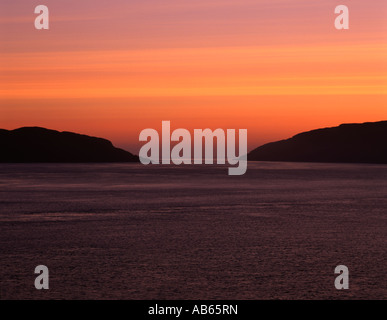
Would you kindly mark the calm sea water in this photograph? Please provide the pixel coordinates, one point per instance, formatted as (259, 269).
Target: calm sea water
(127, 231)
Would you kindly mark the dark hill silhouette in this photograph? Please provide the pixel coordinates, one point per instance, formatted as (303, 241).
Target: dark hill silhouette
(34, 144)
(351, 143)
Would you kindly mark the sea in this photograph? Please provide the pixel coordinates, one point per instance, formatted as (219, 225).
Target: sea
(129, 231)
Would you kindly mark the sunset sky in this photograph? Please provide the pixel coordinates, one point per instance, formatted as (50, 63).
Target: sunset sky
(112, 68)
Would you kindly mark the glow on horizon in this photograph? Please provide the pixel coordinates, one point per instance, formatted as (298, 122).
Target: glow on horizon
(113, 68)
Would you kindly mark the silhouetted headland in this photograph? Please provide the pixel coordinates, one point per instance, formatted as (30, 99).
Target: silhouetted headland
(347, 143)
(35, 144)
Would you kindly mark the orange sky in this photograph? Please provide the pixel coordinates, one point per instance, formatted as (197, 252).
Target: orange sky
(113, 68)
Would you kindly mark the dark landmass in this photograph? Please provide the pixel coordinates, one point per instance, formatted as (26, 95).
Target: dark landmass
(350, 143)
(34, 144)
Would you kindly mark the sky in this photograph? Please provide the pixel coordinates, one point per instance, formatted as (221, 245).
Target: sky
(111, 68)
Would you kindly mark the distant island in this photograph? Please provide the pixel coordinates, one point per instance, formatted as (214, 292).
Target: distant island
(35, 144)
(347, 143)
